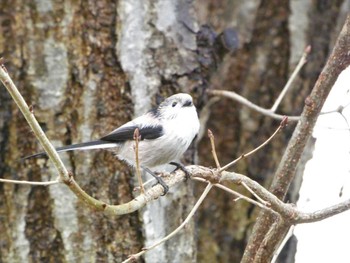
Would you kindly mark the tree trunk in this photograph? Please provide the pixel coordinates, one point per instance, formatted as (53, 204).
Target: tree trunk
(88, 67)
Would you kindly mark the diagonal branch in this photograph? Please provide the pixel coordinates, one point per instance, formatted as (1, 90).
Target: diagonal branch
(268, 112)
(234, 96)
(33, 123)
(184, 223)
(281, 126)
(297, 69)
(337, 62)
(137, 162)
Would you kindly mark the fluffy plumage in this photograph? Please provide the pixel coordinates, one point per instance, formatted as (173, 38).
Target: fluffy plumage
(166, 133)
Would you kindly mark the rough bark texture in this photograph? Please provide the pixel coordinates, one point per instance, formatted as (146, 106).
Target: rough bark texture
(89, 66)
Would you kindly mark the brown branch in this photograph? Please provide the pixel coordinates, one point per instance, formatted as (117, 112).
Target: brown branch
(268, 112)
(337, 62)
(213, 150)
(173, 233)
(137, 162)
(288, 85)
(269, 243)
(238, 195)
(288, 212)
(33, 123)
(322, 214)
(281, 126)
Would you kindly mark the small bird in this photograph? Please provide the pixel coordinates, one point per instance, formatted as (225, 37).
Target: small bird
(165, 134)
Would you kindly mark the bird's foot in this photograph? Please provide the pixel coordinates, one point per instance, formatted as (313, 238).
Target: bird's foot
(182, 168)
(159, 180)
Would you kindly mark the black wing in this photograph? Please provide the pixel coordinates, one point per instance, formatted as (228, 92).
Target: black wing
(118, 136)
(127, 133)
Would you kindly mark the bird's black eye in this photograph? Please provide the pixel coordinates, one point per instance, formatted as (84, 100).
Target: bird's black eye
(174, 104)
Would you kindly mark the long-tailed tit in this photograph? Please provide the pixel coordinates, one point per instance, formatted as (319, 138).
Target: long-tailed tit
(166, 133)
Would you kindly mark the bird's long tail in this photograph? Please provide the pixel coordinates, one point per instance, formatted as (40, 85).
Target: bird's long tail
(98, 144)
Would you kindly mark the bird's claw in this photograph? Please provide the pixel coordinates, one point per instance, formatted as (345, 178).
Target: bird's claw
(182, 168)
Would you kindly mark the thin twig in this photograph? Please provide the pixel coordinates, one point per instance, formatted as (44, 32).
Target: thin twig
(137, 167)
(285, 240)
(301, 63)
(188, 218)
(29, 182)
(137, 188)
(282, 125)
(253, 193)
(235, 193)
(339, 109)
(213, 151)
(234, 96)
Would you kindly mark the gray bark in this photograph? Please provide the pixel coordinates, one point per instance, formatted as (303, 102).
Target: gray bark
(87, 68)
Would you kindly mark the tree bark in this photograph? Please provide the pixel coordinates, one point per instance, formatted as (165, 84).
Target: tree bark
(88, 67)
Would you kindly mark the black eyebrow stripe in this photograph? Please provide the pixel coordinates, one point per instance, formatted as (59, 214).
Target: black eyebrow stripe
(188, 103)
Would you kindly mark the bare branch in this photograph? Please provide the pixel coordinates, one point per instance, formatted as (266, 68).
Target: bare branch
(266, 250)
(29, 182)
(301, 63)
(339, 109)
(238, 195)
(188, 218)
(282, 125)
(234, 96)
(283, 243)
(33, 123)
(337, 62)
(323, 213)
(254, 194)
(288, 212)
(137, 163)
(213, 151)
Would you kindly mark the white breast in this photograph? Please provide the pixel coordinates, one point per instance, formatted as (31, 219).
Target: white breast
(178, 135)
